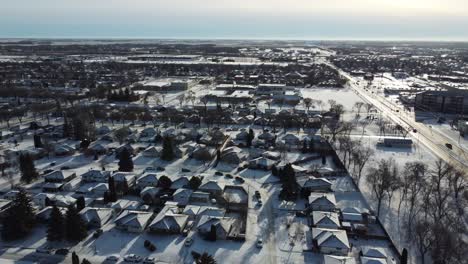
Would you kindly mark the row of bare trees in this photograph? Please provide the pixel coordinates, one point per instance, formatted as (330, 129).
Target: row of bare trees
(433, 200)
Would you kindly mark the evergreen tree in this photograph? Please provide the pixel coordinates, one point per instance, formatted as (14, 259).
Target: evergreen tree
(66, 128)
(112, 195)
(250, 138)
(212, 235)
(27, 168)
(164, 182)
(37, 141)
(168, 150)
(80, 203)
(304, 146)
(19, 218)
(56, 225)
(75, 258)
(404, 256)
(205, 258)
(289, 183)
(194, 182)
(125, 160)
(75, 226)
(274, 170)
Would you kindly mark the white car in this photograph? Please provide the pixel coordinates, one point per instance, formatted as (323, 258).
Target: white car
(149, 260)
(132, 258)
(112, 259)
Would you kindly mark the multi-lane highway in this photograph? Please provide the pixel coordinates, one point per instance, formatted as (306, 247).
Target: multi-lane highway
(432, 139)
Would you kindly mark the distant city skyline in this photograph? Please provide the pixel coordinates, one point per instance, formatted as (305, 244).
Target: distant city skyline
(243, 19)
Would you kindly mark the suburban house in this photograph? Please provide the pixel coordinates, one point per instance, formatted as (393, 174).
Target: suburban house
(330, 241)
(150, 194)
(61, 176)
(182, 196)
(96, 217)
(181, 182)
(214, 188)
(221, 225)
(169, 221)
(133, 221)
(95, 176)
(261, 163)
(235, 198)
(124, 181)
(147, 180)
(312, 184)
(374, 256)
(322, 202)
(325, 220)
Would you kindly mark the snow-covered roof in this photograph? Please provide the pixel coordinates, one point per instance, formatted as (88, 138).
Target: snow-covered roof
(322, 199)
(325, 219)
(331, 238)
(136, 219)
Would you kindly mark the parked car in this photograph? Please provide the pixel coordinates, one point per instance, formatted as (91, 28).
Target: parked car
(257, 194)
(149, 246)
(259, 243)
(44, 250)
(111, 259)
(188, 242)
(448, 145)
(229, 176)
(218, 173)
(62, 251)
(259, 203)
(132, 258)
(239, 179)
(149, 260)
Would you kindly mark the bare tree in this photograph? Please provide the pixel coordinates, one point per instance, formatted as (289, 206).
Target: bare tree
(423, 238)
(439, 191)
(358, 106)
(412, 182)
(339, 127)
(181, 99)
(360, 156)
(307, 103)
(381, 179)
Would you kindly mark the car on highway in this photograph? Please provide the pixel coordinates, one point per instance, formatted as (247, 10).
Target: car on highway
(449, 146)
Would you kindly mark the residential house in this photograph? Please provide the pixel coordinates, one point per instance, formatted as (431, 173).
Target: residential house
(236, 198)
(221, 225)
(325, 220)
(169, 221)
(95, 176)
(331, 241)
(147, 180)
(182, 196)
(133, 221)
(61, 176)
(322, 202)
(312, 184)
(96, 217)
(214, 188)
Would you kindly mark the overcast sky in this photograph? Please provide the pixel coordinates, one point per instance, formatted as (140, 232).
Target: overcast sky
(270, 19)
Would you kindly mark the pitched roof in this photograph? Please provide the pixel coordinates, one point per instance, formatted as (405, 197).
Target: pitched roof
(332, 238)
